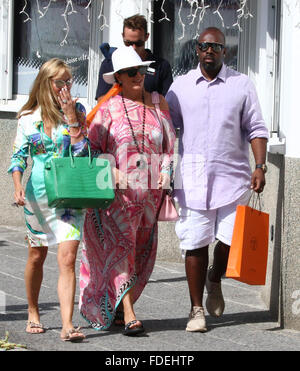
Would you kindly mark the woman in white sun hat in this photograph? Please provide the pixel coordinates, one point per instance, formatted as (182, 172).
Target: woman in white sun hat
(120, 243)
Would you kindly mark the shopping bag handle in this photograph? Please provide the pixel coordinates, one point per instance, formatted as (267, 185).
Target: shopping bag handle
(72, 157)
(254, 202)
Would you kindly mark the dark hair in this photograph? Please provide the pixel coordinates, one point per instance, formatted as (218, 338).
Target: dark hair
(136, 22)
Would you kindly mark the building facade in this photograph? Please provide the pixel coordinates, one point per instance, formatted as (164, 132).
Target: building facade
(263, 41)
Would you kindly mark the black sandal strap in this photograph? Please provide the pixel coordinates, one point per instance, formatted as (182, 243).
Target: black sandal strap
(127, 326)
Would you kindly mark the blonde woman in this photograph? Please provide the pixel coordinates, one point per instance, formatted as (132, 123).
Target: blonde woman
(48, 124)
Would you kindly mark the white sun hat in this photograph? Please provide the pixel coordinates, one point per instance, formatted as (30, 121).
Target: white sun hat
(124, 57)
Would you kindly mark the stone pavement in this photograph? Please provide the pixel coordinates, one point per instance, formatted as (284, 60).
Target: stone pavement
(163, 307)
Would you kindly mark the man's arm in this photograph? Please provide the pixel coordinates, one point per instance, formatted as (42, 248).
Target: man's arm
(174, 104)
(257, 134)
(259, 149)
(166, 78)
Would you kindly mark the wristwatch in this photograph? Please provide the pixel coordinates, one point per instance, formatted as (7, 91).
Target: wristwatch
(74, 125)
(263, 167)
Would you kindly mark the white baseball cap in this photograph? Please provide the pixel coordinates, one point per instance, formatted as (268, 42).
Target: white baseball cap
(124, 57)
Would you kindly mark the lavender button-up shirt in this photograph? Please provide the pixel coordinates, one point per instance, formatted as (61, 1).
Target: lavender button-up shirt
(217, 120)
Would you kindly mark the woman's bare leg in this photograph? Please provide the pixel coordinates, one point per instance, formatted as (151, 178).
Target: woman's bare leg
(129, 314)
(33, 281)
(66, 257)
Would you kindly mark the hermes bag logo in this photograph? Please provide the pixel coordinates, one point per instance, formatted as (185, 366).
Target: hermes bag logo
(253, 244)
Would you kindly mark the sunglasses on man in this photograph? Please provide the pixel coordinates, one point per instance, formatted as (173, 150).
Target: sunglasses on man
(216, 47)
(132, 72)
(138, 43)
(61, 83)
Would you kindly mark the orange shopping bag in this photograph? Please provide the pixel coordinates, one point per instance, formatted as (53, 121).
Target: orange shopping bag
(248, 253)
(111, 93)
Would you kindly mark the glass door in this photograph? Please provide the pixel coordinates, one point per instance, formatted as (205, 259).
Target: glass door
(178, 25)
(60, 32)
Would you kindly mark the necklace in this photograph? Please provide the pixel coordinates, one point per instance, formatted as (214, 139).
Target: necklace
(140, 163)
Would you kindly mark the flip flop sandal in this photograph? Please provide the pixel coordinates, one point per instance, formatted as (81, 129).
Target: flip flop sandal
(128, 331)
(73, 335)
(33, 325)
(119, 318)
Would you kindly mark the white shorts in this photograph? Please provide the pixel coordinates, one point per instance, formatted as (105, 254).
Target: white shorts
(199, 228)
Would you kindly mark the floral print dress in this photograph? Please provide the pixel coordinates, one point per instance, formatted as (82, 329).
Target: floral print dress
(45, 226)
(120, 243)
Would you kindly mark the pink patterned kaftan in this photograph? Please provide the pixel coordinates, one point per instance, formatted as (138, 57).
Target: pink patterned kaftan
(120, 243)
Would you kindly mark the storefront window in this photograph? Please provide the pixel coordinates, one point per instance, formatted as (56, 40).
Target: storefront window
(41, 38)
(175, 40)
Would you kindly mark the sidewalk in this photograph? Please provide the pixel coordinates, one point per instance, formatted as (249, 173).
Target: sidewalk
(163, 308)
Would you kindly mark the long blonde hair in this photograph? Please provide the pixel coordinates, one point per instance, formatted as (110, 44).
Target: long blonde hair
(42, 94)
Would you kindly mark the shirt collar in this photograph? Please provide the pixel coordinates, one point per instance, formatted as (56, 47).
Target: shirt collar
(37, 118)
(221, 75)
(149, 54)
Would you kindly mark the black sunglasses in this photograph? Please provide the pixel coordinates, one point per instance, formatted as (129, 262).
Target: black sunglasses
(138, 43)
(216, 47)
(131, 72)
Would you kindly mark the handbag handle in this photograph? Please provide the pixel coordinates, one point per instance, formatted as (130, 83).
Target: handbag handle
(254, 202)
(155, 101)
(72, 157)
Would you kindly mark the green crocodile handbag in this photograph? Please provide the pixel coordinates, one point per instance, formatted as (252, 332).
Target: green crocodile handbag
(79, 182)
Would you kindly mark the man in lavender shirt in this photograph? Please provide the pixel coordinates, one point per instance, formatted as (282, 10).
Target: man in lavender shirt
(218, 114)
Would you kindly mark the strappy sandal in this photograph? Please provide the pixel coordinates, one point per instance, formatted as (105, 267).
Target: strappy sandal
(132, 331)
(119, 318)
(73, 335)
(35, 325)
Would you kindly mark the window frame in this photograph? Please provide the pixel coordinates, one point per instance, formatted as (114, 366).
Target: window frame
(248, 61)
(260, 58)
(13, 102)
(6, 37)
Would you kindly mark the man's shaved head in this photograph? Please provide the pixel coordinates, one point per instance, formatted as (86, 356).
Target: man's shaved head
(216, 31)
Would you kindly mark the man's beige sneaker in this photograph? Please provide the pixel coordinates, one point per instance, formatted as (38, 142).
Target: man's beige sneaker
(215, 304)
(196, 320)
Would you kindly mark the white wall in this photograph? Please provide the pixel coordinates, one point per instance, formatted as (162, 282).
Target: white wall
(264, 75)
(6, 51)
(262, 71)
(290, 77)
